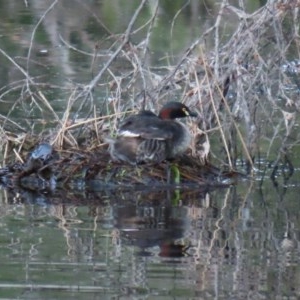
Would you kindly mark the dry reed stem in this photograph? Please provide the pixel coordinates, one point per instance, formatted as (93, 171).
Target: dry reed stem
(207, 76)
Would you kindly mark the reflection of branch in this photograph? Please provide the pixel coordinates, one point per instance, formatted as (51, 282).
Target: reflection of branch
(219, 225)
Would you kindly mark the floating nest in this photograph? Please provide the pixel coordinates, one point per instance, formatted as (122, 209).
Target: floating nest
(48, 168)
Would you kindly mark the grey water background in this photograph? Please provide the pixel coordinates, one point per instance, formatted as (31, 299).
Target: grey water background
(240, 242)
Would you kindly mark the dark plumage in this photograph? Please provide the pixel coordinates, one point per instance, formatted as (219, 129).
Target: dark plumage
(146, 137)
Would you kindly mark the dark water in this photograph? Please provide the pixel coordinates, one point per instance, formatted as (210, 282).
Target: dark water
(239, 242)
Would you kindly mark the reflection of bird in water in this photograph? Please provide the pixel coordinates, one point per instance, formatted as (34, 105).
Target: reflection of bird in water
(170, 249)
(147, 227)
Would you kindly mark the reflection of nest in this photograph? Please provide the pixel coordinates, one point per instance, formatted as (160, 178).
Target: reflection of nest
(141, 218)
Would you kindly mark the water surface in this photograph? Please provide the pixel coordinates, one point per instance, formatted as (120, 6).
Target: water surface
(238, 242)
(232, 243)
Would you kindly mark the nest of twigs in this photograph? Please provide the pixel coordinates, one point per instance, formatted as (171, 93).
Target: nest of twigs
(44, 167)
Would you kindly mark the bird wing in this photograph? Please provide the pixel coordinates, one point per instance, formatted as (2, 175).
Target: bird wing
(147, 127)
